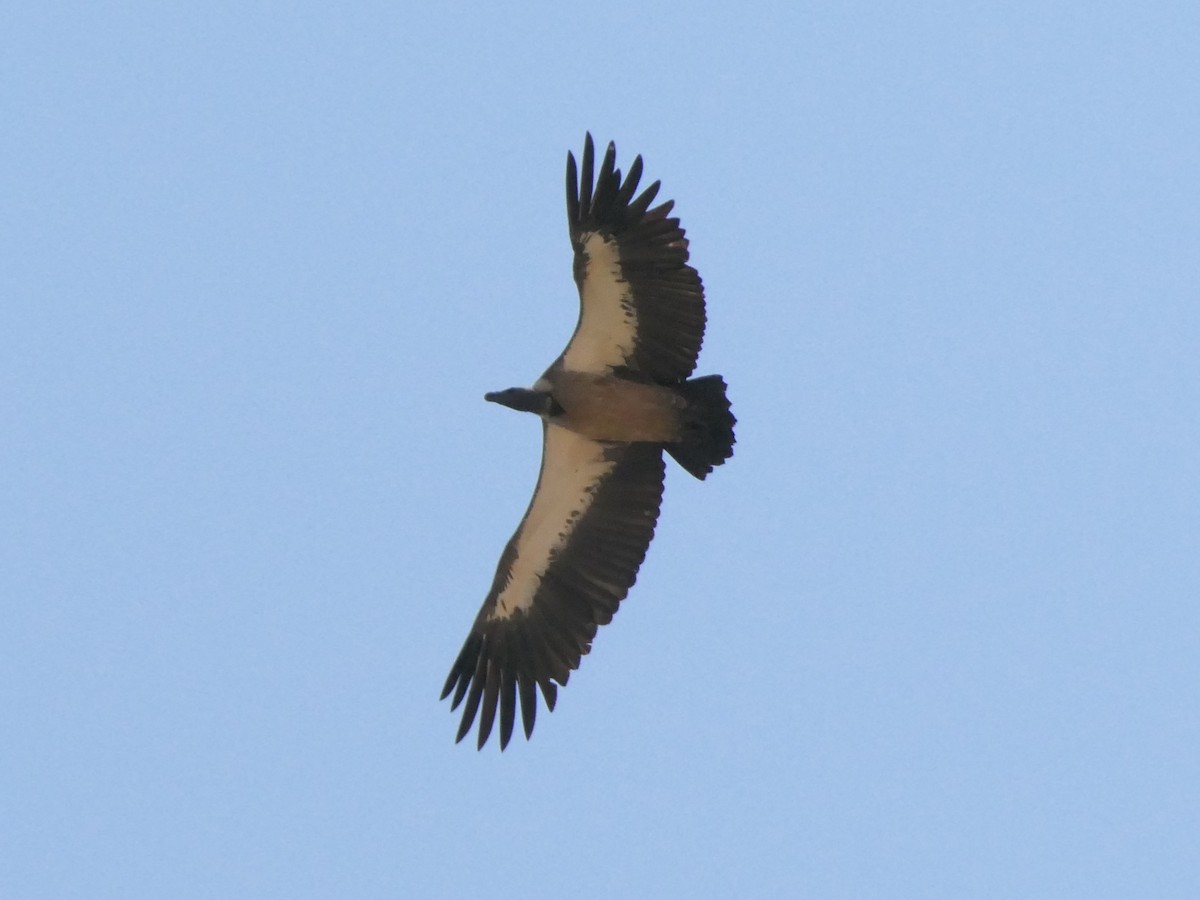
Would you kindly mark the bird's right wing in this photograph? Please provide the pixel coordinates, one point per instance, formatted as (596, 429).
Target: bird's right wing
(571, 561)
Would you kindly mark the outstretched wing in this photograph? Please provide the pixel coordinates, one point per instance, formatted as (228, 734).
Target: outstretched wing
(566, 569)
(641, 306)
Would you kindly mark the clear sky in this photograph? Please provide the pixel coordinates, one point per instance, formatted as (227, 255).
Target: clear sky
(934, 631)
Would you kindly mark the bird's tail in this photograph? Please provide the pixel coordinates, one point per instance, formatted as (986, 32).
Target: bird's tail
(707, 426)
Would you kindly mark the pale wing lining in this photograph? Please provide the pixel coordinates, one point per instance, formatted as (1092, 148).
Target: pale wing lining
(607, 328)
(571, 469)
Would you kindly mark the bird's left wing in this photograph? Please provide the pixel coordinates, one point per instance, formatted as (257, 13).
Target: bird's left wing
(641, 306)
(571, 561)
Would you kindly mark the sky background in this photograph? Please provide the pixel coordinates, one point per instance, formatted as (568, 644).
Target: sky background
(934, 631)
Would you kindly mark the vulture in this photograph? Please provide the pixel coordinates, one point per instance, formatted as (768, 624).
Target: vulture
(617, 397)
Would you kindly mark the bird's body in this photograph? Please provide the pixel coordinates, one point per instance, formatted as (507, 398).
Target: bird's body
(614, 400)
(612, 408)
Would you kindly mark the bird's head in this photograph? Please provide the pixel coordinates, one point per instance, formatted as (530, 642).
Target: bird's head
(525, 400)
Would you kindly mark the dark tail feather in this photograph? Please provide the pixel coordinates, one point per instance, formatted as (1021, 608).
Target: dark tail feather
(707, 426)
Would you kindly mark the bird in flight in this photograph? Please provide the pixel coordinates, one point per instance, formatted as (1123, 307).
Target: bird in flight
(618, 396)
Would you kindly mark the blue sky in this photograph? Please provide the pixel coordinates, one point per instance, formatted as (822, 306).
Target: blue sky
(933, 632)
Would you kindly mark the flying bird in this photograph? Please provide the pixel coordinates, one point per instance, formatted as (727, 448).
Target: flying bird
(615, 399)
